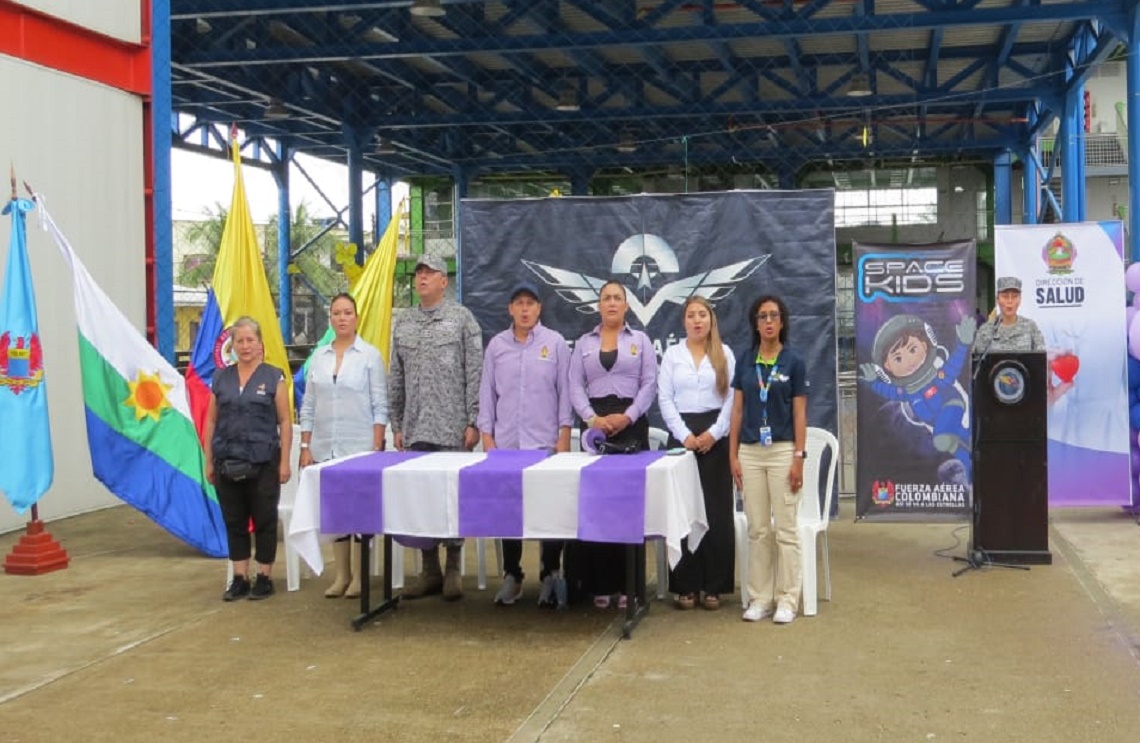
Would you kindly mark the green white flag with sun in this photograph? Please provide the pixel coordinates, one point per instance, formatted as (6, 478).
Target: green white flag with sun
(144, 447)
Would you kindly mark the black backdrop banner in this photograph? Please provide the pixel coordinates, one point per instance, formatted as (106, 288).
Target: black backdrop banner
(729, 247)
(914, 326)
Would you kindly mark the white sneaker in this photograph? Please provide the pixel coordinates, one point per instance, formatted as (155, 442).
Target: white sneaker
(756, 612)
(784, 615)
(510, 591)
(546, 595)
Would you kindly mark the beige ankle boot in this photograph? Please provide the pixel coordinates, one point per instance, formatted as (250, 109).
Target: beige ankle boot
(353, 590)
(452, 580)
(430, 581)
(343, 570)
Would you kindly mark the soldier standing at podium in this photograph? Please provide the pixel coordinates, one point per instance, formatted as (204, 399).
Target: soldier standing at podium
(1008, 331)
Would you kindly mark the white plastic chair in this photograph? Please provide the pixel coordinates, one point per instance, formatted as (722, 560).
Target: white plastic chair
(740, 524)
(811, 523)
(659, 439)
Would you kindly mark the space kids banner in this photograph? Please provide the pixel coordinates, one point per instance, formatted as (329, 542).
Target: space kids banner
(914, 326)
(1072, 286)
(727, 247)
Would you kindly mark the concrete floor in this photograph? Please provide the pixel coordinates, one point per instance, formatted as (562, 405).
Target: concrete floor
(132, 642)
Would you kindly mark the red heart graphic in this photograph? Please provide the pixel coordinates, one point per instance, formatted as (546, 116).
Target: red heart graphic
(1066, 366)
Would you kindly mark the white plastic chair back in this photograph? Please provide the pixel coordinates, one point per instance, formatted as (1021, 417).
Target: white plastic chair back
(811, 510)
(813, 516)
(659, 439)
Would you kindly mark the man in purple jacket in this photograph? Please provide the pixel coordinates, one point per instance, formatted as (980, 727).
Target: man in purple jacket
(524, 403)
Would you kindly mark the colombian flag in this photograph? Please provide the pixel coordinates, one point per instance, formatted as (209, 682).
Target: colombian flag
(239, 289)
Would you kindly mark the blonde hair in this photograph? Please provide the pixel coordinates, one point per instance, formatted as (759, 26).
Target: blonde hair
(714, 349)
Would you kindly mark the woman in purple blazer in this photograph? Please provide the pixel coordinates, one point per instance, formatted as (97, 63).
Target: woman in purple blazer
(613, 382)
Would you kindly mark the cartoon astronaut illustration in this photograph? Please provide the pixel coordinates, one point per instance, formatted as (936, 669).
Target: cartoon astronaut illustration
(911, 368)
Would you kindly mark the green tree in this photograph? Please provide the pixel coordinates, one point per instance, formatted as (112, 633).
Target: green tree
(316, 263)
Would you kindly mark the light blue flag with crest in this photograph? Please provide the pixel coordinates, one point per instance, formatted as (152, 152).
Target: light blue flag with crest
(28, 463)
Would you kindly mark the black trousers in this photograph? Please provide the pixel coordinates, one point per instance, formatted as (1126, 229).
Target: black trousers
(603, 563)
(712, 567)
(256, 498)
(512, 558)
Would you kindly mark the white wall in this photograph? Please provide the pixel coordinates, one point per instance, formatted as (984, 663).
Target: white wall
(80, 144)
(118, 18)
(1107, 86)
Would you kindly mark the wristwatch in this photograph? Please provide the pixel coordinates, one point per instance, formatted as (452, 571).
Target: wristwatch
(304, 445)
(799, 454)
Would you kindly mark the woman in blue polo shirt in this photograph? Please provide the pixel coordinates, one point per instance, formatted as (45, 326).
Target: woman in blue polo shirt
(766, 454)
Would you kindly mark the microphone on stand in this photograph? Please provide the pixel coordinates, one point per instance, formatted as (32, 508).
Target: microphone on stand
(980, 357)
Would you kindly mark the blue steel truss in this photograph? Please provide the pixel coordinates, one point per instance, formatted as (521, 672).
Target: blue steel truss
(642, 83)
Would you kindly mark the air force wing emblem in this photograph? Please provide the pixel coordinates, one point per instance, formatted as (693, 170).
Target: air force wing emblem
(713, 285)
(582, 290)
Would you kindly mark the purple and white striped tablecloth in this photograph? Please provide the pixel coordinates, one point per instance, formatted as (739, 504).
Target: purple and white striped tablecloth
(504, 493)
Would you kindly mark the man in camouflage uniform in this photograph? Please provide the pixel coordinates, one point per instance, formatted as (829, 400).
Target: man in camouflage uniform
(1008, 332)
(433, 396)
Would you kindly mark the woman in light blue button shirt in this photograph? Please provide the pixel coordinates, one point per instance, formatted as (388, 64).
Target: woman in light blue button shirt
(344, 411)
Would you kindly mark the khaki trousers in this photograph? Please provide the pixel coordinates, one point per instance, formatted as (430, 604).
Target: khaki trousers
(774, 552)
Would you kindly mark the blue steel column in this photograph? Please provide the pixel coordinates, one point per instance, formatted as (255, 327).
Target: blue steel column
(1071, 157)
(1082, 160)
(580, 182)
(355, 138)
(1132, 62)
(383, 206)
(284, 241)
(787, 177)
(161, 123)
(1003, 185)
(461, 177)
(1031, 186)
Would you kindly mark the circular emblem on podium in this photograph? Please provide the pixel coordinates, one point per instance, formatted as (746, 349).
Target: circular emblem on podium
(1008, 380)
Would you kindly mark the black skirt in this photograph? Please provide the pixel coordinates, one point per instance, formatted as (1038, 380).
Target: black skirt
(711, 568)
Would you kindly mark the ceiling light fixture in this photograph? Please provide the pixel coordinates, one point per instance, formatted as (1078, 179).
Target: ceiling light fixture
(568, 99)
(860, 85)
(276, 110)
(202, 26)
(626, 144)
(384, 146)
(427, 8)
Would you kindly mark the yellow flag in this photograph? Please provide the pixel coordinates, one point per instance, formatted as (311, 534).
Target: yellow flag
(239, 277)
(372, 290)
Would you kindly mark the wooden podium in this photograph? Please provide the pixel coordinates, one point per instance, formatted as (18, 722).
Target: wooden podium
(1010, 462)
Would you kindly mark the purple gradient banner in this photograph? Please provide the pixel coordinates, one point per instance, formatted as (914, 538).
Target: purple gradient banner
(1072, 278)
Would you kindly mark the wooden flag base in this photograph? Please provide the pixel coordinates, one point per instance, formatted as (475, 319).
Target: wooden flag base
(36, 553)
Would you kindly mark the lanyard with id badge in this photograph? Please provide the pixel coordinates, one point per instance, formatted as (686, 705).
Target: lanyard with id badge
(765, 429)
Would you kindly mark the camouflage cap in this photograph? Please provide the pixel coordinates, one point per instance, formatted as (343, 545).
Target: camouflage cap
(434, 262)
(1008, 283)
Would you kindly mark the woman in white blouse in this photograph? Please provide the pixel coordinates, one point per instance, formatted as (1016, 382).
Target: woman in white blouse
(344, 411)
(696, 402)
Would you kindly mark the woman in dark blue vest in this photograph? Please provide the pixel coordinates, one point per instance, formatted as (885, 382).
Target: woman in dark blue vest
(248, 426)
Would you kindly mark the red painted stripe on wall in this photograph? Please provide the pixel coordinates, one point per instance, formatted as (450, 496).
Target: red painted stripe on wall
(60, 45)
